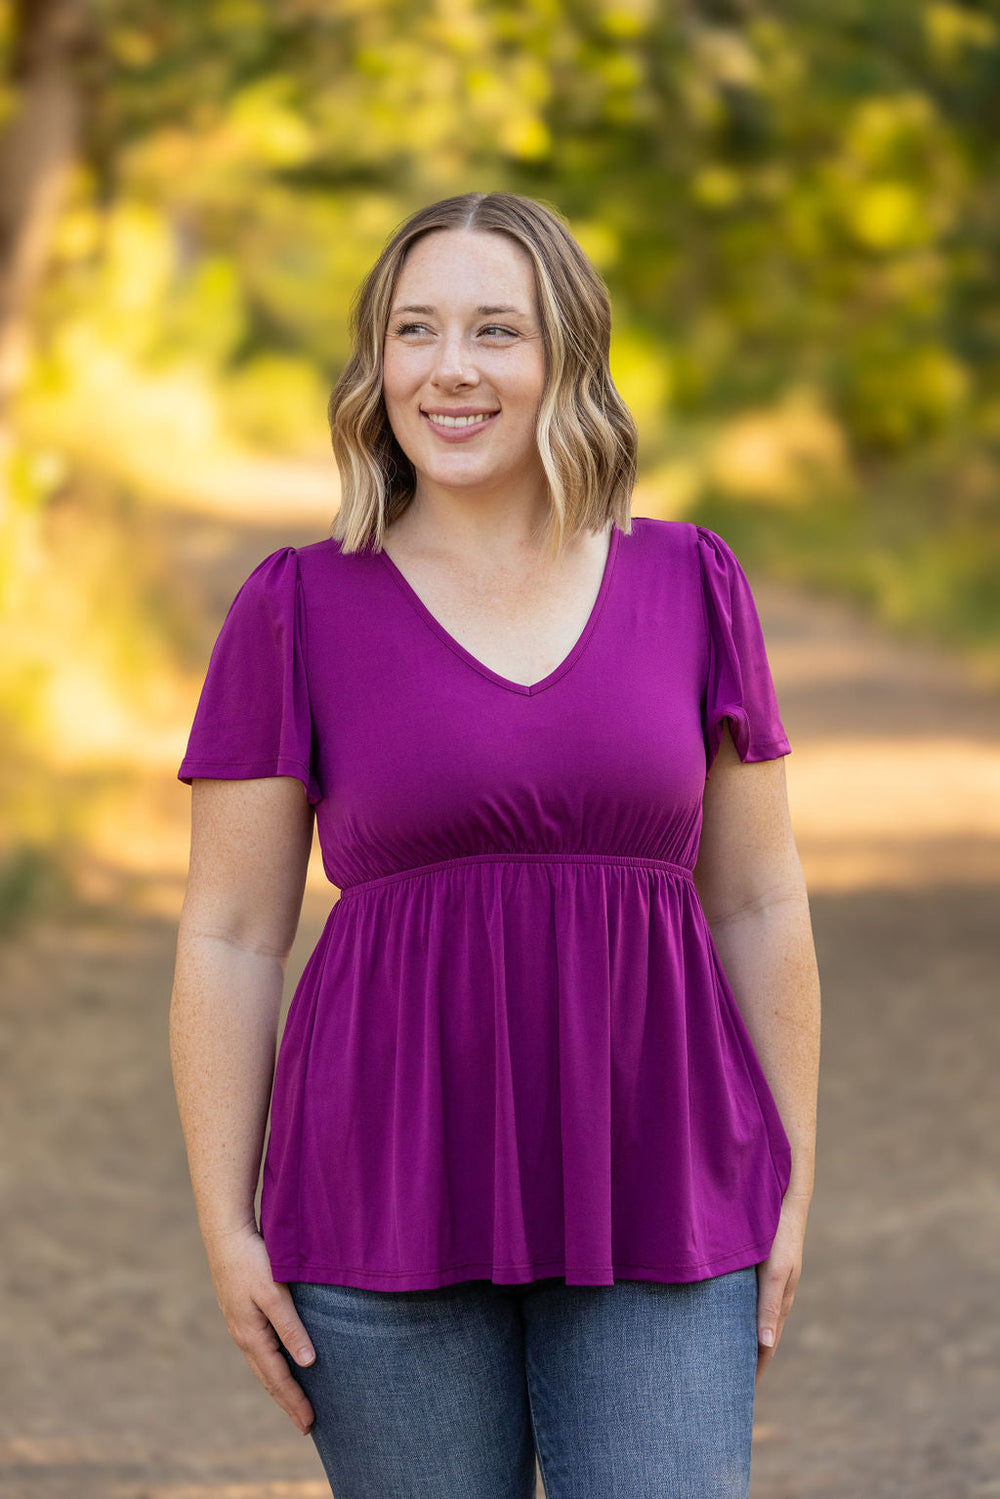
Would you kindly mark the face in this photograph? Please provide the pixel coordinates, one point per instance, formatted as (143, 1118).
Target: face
(464, 341)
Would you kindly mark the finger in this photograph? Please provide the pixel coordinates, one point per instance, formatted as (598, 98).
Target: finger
(764, 1357)
(771, 1308)
(271, 1368)
(767, 1321)
(259, 1345)
(280, 1310)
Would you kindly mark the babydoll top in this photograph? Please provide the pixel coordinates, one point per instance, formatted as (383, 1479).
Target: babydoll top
(513, 1052)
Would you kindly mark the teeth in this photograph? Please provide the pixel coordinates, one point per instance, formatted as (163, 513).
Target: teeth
(460, 421)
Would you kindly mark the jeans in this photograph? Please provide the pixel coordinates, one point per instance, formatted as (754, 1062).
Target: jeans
(640, 1390)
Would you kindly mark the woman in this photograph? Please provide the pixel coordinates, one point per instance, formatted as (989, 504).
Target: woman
(536, 1184)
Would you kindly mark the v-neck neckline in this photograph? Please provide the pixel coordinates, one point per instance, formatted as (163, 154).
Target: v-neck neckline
(525, 689)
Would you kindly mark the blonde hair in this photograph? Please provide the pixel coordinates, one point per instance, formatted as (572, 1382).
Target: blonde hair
(587, 439)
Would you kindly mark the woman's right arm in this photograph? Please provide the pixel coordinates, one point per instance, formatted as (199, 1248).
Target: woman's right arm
(250, 844)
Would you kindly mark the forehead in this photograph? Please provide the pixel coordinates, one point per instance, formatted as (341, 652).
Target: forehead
(459, 265)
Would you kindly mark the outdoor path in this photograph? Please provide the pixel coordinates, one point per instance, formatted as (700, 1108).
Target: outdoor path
(119, 1379)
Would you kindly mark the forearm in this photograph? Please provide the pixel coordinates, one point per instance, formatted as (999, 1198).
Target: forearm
(223, 1027)
(769, 959)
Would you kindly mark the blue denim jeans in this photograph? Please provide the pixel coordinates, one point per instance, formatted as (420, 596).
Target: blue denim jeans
(640, 1390)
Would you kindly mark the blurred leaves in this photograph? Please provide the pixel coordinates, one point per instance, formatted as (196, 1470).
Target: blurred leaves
(820, 183)
(796, 208)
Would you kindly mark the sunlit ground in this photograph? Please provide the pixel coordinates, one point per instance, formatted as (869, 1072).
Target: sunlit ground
(894, 775)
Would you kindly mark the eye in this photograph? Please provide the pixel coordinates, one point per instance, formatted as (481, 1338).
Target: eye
(493, 329)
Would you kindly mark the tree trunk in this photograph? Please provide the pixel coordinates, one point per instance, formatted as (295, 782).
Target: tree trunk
(37, 150)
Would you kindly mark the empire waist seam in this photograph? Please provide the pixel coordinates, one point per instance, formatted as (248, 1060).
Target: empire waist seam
(628, 861)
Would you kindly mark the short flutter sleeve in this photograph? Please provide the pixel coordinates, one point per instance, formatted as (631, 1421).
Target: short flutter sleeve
(253, 717)
(739, 686)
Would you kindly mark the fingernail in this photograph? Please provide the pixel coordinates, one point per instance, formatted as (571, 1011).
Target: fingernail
(305, 1355)
(767, 1337)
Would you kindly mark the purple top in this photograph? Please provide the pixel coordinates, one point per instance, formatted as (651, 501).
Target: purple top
(513, 1052)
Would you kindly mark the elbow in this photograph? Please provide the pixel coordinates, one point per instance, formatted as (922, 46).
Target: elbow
(246, 927)
(753, 892)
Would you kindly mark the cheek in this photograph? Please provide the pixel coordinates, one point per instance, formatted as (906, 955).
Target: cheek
(390, 377)
(530, 381)
(398, 374)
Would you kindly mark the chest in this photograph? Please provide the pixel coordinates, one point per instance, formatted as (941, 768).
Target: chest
(520, 626)
(424, 750)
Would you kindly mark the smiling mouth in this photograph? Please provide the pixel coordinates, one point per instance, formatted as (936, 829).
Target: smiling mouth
(458, 424)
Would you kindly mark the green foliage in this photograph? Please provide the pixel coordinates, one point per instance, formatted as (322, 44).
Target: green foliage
(33, 878)
(778, 194)
(921, 547)
(276, 401)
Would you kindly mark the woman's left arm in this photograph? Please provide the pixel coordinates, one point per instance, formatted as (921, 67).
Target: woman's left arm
(752, 889)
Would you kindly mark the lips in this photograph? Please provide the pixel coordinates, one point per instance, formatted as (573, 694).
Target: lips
(466, 429)
(459, 411)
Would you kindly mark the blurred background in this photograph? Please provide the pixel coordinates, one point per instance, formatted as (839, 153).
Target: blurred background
(796, 207)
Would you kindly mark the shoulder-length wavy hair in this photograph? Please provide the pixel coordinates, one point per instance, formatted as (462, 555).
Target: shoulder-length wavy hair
(586, 436)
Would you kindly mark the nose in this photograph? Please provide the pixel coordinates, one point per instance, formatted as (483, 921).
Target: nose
(454, 363)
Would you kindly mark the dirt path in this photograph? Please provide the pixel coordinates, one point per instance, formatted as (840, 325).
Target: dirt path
(120, 1381)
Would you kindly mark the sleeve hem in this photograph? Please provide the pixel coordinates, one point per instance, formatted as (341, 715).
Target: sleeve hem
(748, 748)
(744, 739)
(772, 749)
(249, 770)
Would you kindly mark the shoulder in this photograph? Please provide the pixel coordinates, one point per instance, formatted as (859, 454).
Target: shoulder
(711, 546)
(681, 539)
(321, 562)
(269, 588)
(655, 531)
(652, 531)
(721, 569)
(289, 567)
(658, 539)
(282, 562)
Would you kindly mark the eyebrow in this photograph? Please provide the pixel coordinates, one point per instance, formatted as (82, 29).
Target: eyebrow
(484, 311)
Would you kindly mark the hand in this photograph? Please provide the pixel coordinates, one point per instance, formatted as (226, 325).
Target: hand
(258, 1311)
(778, 1276)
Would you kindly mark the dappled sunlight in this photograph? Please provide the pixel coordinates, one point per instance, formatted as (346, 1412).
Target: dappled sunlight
(163, 435)
(783, 452)
(921, 787)
(898, 813)
(894, 776)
